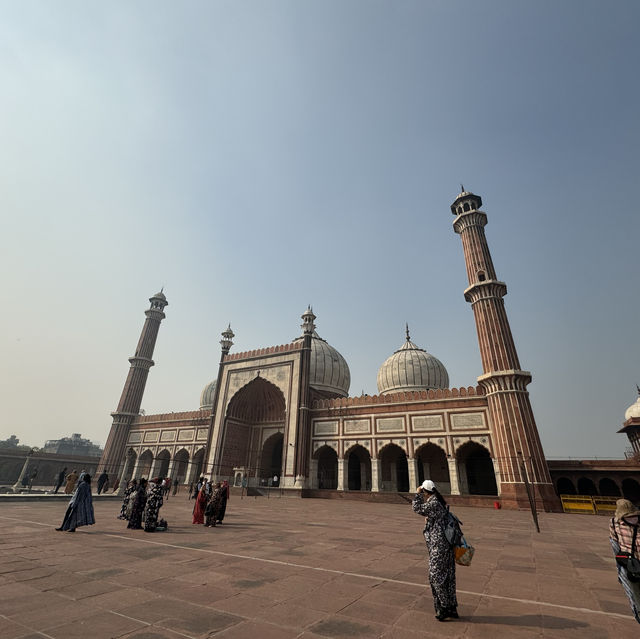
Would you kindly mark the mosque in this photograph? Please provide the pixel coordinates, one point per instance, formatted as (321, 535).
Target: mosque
(282, 415)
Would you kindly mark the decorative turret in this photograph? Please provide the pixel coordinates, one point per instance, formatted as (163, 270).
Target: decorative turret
(515, 436)
(307, 326)
(225, 342)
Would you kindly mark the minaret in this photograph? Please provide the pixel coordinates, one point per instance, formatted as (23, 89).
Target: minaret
(128, 409)
(303, 435)
(517, 446)
(225, 346)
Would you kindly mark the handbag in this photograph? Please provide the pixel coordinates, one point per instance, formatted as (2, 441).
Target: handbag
(464, 553)
(627, 559)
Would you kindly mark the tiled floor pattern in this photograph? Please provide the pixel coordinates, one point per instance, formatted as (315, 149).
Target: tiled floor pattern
(286, 567)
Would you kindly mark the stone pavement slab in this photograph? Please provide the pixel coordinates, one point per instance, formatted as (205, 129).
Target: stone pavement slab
(288, 567)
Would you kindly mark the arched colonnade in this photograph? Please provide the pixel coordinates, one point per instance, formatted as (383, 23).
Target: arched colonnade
(471, 471)
(182, 465)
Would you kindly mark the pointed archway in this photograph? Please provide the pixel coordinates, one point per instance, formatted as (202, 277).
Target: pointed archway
(180, 465)
(144, 464)
(253, 432)
(271, 458)
(394, 469)
(327, 474)
(475, 468)
(433, 465)
(358, 462)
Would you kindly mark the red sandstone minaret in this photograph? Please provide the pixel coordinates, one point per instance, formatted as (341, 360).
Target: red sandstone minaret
(517, 446)
(128, 409)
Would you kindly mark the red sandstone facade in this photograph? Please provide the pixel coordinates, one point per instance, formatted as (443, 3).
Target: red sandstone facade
(281, 415)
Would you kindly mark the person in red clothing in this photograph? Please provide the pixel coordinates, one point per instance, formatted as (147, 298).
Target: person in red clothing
(200, 505)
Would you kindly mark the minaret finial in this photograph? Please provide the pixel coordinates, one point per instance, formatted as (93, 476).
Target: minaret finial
(461, 187)
(407, 327)
(638, 387)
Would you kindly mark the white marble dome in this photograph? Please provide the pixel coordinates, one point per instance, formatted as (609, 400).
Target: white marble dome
(207, 395)
(633, 411)
(411, 368)
(328, 371)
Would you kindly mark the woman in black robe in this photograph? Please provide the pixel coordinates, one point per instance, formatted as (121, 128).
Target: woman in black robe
(80, 510)
(131, 488)
(154, 501)
(139, 502)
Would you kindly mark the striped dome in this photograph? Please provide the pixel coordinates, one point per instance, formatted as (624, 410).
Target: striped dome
(329, 371)
(411, 368)
(207, 395)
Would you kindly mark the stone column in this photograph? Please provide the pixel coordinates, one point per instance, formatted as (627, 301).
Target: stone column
(375, 475)
(412, 464)
(341, 470)
(453, 476)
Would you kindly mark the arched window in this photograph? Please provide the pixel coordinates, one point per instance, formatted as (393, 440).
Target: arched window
(608, 488)
(565, 486)
(586, 487)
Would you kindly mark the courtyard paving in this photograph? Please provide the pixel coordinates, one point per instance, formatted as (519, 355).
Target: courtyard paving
(283, 567)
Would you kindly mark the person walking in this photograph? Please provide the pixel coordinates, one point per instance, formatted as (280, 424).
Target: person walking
(624, 536)
(61, 475)
(72, 478)
(154, 502)
(225, 493)
(102, 480)
(429, 503)
(175, 487)
(139, 502)
(131, 488)
(80, 510)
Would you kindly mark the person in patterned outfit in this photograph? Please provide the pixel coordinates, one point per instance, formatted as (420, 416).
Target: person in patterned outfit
(442, 566)
(154, 502)
(129, 490)
(213, 507)
(139, 500)
(626, 518)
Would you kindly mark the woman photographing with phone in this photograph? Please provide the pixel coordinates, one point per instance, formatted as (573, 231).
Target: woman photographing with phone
(442, 566)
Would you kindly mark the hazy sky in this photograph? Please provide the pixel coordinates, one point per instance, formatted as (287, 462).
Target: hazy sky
(255, 157)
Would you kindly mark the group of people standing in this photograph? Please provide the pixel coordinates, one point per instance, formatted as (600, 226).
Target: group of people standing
(141, 504)
(211, 502)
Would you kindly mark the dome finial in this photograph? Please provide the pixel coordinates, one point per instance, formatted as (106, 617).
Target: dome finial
(461, 187)
(407, 327)
(638, 388)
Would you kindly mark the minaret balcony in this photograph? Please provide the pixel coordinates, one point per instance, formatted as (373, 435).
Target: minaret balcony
(505, 381)
(469, 219)
(488, 289)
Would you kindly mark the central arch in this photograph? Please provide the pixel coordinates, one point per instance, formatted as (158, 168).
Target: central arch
(253, 432)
